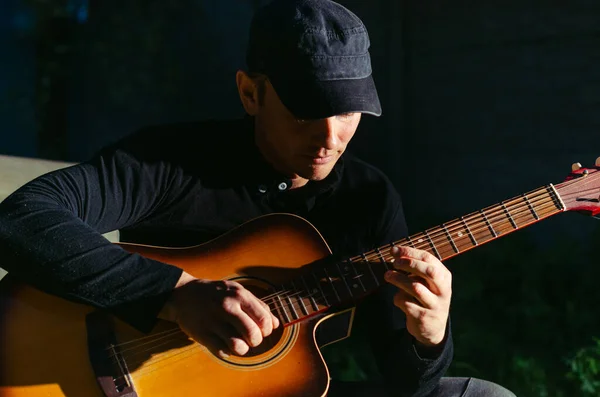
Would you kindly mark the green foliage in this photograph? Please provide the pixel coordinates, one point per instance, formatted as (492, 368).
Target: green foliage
(584, 369)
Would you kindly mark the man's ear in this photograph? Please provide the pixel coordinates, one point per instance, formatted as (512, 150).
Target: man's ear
(248, 91)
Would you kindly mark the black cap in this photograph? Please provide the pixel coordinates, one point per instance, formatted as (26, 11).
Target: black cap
(316, 55)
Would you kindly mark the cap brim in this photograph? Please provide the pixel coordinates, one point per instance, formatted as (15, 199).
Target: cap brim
(309, 99)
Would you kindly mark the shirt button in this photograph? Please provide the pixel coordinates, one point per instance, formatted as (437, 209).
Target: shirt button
(282, 186)
(262, 189)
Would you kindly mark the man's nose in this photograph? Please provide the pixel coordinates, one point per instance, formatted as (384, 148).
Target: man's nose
(327, 133)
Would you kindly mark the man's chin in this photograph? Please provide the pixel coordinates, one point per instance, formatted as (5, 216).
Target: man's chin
(316, 175)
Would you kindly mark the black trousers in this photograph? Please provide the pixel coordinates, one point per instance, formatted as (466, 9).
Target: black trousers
(448, 387)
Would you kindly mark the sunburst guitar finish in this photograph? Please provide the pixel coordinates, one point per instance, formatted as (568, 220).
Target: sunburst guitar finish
(45, 347)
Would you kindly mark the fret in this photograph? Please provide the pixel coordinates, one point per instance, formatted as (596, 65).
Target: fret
(341, 273)
(410, 242)
(330, 280)
(321, 289)
(555, 197)
(356, 276)
(364, 258)
(450, 239)
(535, 215)
(287, 317)
(368, 264)
(386, 264)
(510, 218)
(435, 251)
(298, 293)
(489, 224)
(291, 307)
(469, 231)
(520, 213)
(311, 292)
(273, 307)
(379, 254)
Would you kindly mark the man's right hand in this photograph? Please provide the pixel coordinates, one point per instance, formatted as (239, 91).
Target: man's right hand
(222, 315)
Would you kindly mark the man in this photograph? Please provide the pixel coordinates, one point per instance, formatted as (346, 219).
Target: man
(308, 84)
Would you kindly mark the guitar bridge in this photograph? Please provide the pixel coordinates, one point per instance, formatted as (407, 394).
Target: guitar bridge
(109, 366)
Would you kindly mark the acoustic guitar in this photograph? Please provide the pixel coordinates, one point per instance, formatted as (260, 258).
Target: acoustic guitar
(52, 347)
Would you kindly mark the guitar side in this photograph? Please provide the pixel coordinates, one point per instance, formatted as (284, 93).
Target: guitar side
(44, 347)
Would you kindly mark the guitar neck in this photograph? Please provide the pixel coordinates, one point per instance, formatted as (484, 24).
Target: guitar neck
(341, 283)
(467, 232)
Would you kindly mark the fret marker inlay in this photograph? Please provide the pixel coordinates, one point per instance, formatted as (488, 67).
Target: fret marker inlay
(287, 317)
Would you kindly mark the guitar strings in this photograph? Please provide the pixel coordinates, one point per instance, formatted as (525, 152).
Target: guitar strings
(498, 213)
(543, 191)
(183, 353)
(145, 342)
(548, 205)
(425, 244)
(179, 355)
(484, 224)
(155, 363)
(169, 359)
(516, 216)
(523, 208)
(457, 224)
(163, 338)
(140, 339)
(491, 217)
(286, 293)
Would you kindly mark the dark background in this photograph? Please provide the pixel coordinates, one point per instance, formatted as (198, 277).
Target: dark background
(483, 101)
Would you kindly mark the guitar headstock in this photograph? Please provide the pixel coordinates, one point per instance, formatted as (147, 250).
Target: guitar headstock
(581, 189)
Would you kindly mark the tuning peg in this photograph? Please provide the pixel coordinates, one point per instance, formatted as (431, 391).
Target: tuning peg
(598, 162)
(576, 166)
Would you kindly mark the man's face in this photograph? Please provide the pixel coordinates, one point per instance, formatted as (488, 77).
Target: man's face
(305, 149)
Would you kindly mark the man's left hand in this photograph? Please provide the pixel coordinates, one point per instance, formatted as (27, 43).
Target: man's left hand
(425, 289)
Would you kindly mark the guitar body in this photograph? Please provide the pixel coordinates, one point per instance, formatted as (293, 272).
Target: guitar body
(44, 349)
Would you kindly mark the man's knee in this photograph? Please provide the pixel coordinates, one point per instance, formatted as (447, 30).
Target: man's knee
(470, 387)
(483, 388)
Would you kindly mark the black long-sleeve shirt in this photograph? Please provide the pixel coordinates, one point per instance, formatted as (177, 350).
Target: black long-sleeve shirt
(184, 184)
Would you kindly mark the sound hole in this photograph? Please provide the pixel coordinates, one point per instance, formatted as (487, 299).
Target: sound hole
(260, 289)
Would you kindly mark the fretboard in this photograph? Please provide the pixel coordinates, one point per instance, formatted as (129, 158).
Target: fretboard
(342, 283)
